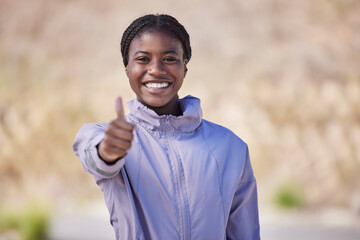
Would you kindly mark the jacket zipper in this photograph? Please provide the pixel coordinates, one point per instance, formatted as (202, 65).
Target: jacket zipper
(180, 184)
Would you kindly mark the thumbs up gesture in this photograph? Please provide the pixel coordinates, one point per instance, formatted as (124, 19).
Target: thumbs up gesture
(118, 136)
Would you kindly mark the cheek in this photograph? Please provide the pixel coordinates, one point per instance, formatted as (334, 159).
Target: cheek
(134, 84)
(180, 83)
(180, 74)
(132, 81)
(133, 74)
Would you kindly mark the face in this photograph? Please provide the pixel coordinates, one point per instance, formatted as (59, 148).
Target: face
(156, 68)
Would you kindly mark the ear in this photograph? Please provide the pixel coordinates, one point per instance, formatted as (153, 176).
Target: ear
(127, 71)
(185, 67)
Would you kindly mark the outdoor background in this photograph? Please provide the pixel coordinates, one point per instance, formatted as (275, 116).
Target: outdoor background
(282, 75)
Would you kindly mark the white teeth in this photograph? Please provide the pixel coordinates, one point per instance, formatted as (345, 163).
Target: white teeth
(157, 85)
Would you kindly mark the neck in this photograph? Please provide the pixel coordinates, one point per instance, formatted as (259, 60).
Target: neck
(171, 108)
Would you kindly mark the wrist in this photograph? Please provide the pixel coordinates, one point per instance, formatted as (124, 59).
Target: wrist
(104, 157)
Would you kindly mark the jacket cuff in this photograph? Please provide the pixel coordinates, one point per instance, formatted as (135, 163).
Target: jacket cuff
(96, 163)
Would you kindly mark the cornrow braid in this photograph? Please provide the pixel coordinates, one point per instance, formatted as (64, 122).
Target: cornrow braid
(160, 22)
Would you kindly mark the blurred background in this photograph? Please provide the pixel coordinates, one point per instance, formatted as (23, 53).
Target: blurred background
(282, 75)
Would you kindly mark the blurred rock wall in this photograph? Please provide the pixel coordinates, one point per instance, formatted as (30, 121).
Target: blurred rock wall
(283, 75)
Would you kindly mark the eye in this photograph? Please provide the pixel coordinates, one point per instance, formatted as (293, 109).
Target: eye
(142, 60)
(170, 59)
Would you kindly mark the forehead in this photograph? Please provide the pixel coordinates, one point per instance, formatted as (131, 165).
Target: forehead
(155, 41)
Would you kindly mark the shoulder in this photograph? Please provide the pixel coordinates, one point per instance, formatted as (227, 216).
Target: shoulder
(98, 126)
(213, 132)
(89, 129)
(230, 152)
(93, 126)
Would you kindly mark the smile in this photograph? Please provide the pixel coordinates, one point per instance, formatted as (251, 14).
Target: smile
(157, 85)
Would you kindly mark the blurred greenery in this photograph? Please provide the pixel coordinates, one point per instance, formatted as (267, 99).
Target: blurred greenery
(31, 223)
(289, 196)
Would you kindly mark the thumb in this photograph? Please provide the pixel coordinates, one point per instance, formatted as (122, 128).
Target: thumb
(119, 108)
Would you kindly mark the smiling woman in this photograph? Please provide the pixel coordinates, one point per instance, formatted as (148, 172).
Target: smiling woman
(165, 172)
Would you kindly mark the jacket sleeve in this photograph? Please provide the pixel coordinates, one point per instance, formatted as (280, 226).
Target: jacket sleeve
(84, 146)
(243, 222)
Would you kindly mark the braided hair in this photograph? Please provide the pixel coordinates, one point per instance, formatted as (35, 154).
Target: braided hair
(160, 22)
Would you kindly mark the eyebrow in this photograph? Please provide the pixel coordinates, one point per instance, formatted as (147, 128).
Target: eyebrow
(142, 52)
(166, 52)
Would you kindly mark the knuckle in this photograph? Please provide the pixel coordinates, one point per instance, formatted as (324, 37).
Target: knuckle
(109, 131)
(129, 126)
(106, 150)
(112, 123)
(127, 135)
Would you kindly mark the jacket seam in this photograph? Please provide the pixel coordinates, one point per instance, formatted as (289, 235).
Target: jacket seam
(218, 172)
(136, 130)
(247, 181)
(138, 175)
(245, 169)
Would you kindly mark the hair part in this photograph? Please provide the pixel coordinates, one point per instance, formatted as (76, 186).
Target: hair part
(159, 22)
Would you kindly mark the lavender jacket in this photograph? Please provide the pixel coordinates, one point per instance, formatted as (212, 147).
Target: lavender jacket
(183, 178)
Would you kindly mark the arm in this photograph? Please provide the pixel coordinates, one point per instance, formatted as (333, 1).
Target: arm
(243, 222)
(101, 148)
(85, 148)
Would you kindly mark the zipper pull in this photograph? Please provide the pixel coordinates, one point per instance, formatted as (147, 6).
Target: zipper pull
(167, 122)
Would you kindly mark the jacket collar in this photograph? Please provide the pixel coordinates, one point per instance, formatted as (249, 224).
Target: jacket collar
(188, 122)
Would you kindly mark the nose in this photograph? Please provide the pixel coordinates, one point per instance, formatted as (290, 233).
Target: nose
(156, 68)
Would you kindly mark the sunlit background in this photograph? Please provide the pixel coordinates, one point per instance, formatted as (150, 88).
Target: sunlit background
(282, 75)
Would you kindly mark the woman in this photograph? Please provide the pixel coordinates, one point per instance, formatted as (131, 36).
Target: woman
(165, 172)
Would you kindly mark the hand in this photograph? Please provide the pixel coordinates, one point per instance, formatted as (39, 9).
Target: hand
(118, 136)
